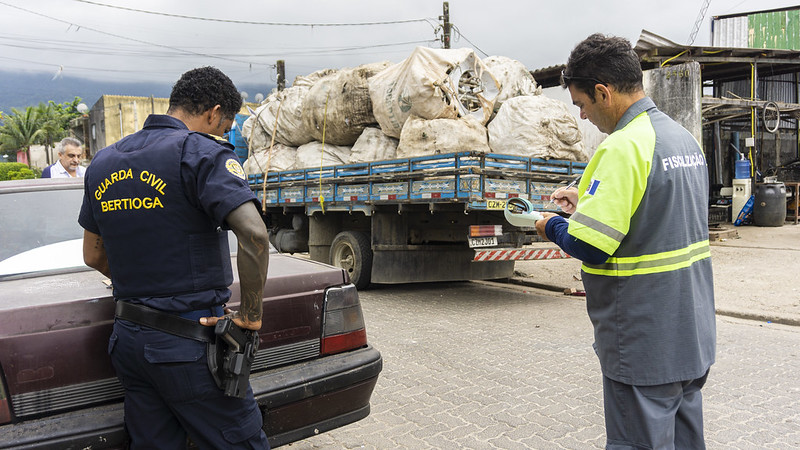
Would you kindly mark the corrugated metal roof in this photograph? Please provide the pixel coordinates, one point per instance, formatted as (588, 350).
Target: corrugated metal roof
(730, 32)
(717, 63)
(649, 41)
(726, 16)
(773, 29)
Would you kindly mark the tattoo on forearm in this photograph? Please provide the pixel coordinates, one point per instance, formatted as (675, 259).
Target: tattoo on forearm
(251, 307)
(254, 260)
(259, 247)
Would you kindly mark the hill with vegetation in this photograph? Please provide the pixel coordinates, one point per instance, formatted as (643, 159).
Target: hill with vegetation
(22, 89)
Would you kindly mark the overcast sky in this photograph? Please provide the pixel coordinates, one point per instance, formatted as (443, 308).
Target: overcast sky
(101, 39)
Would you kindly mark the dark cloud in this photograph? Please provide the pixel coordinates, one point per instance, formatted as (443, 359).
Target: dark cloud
(86, 39)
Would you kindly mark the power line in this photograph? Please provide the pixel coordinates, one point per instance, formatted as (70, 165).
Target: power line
(461, 35)
(248, 22)
(326, 51)
(83, 47)
(92, 69)
(80, 48)
(127, 38)
(131, 50)
(75, 47)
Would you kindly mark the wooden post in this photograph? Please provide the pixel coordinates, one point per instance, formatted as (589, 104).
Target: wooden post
(446, 24)
(281, 75)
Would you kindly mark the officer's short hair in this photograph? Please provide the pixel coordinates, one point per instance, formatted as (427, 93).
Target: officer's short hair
(68, 141)
(199, 90)
(601, 59)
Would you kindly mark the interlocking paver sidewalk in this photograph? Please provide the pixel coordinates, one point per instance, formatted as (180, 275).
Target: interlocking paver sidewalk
(756, 275)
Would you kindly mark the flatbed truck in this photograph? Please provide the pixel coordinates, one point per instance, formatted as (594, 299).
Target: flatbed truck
(427, 218)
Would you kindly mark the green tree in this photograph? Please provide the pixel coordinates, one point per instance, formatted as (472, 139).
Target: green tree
(44, 124)
(51, 125)
(20, 130)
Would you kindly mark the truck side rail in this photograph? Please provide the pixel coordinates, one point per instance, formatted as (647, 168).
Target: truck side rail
(480, 180)
(426, 166)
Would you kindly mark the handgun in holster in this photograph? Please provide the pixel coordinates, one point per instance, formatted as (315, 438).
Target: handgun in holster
(231, 356)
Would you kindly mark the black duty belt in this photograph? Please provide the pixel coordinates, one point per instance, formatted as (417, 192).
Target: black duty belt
(163, 321)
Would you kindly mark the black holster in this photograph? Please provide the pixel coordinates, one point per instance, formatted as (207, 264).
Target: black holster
(230, 357)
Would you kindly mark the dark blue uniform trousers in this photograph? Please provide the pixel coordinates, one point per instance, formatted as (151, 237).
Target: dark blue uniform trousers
(666, 416)
(169, 393)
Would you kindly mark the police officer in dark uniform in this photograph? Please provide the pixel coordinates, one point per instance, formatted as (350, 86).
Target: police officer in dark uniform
(156, 207)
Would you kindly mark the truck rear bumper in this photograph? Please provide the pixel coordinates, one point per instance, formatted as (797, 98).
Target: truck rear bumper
(297, 401)
(518, 254)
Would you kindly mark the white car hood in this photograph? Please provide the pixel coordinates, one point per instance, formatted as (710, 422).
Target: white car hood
(61, 255)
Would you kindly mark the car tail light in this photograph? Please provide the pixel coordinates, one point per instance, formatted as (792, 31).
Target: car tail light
(5, 409)
(485, 230)
(343, 323)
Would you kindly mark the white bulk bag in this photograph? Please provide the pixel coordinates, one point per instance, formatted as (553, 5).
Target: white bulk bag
(307, 81)
(514, 79)
(312, 155)
(255, 137)
(373, 145)
(287, 106)
(339, 104)
(432, 84)
(536, 126)
(281, 157)
(290, 130)
(423, 137)
(257, 129)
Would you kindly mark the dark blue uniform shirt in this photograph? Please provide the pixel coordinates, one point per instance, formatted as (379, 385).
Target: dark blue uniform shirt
(158, 198)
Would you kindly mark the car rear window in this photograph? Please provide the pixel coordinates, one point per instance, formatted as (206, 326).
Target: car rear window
(34, 219)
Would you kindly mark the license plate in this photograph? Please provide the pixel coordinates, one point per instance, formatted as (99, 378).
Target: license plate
(495, 204)
(483, 241)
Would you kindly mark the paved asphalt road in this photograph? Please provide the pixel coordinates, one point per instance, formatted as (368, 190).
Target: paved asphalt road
(485, 366)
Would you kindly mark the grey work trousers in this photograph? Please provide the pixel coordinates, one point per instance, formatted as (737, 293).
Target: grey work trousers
(666, 416)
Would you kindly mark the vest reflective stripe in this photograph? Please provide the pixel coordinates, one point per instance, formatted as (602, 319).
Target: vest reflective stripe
(597, 226)
(614, 184)
(654, 263)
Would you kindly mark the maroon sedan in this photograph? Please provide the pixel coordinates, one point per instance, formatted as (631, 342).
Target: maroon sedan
(314, 371)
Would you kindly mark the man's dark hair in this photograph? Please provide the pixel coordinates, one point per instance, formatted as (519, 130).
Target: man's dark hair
(601, 59)
(199, 90)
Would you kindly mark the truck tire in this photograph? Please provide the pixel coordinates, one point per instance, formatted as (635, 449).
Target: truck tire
(351, 250)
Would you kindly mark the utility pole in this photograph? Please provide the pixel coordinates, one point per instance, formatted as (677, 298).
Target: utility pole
(445, 17)
(281, 75)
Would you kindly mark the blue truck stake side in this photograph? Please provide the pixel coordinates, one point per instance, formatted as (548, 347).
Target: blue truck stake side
(427, 218)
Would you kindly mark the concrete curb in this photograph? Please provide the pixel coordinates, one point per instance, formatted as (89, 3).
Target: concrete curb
(526, 282)
(739, 314)
(759, 317)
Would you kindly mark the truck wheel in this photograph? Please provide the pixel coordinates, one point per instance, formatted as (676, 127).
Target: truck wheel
(351, 251)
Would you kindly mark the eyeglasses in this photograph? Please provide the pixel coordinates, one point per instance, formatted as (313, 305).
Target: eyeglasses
(567, 78)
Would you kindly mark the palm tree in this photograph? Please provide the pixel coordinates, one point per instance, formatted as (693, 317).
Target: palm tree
(21, 130)
(44, 124)
(52, 127)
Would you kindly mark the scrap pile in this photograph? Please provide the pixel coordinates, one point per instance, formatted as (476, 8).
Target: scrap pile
(435, 101)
